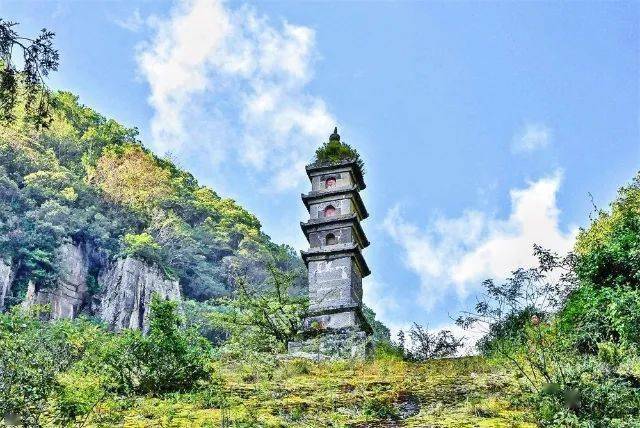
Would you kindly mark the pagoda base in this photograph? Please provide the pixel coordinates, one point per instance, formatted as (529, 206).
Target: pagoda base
(341, 344)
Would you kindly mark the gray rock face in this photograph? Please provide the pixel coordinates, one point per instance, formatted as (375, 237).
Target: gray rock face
(128, 285)
(68, 297)
(6, 278)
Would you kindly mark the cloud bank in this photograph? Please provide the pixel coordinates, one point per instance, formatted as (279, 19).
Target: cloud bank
(230, 84)
(455, 254)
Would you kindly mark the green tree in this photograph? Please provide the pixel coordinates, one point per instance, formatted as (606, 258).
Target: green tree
(38, 58)
(262, 320)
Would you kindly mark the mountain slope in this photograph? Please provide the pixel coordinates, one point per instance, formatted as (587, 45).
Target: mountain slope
(86, 181)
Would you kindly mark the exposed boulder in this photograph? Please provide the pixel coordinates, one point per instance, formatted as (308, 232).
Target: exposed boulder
(69, 295)
(128, 285)
(6, 278)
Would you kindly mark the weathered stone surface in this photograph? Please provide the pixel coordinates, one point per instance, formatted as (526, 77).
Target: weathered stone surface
(333, 345)
(339, 318)
(330, 284)
(128, 285)
(68, 297)
(6, 278)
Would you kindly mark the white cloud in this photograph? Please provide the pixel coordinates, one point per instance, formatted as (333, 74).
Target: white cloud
(533, 136)
(231, 84)
(457, 253)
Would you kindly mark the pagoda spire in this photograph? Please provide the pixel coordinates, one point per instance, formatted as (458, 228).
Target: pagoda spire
(335, 136)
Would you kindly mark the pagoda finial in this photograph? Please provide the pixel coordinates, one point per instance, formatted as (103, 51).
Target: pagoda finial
(335, 136)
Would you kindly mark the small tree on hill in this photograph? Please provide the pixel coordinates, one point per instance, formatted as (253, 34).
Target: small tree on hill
(426, 345)
(262, 320)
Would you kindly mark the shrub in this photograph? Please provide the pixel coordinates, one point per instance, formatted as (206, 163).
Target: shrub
(169, 359)
(379, 408)
(261, 321)
(603, 315)
(388, 351)
(78, 395)
(299, 367)
(33, 356)
(142, 246)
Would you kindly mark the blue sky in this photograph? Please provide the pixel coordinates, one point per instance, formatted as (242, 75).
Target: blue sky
(483, 125)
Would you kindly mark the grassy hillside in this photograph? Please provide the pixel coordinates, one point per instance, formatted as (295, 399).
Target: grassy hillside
(465, 392)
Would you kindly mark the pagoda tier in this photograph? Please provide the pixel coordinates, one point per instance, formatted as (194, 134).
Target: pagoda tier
(345, 228)
(348, 199)
(316, 171)
(332, 252)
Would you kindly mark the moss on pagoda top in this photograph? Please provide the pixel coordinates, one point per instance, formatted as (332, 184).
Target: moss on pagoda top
(334, 151)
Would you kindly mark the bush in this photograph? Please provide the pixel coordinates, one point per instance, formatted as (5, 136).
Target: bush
(78, 395)
(615, 262)
(379, 408)
(388, 351)
(591, 394)
(261, 321)
(33, 356)
(603, 315)
(169, 359)
(142, 246)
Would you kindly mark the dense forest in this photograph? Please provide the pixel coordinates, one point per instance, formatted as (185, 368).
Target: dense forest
(88, 180)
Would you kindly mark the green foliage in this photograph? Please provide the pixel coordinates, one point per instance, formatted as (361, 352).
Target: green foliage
(335, 151)
(426, 345)
(261, 321)
(388, 351)
(167, 359)
(379, 408)
(615, 262)
(599, 231)
(142, 246)
(22, 78)
(34, 355)
(78, 395)
(602, 315)
(381, 332)
(87, 179)
(60, 371)
(578, 356)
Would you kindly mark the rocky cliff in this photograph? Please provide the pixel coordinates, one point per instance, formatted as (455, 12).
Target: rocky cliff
(125, 287)
(128, 285)
(6, 278)
(69, 296)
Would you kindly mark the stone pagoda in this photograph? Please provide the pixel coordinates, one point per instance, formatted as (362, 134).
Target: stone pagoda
(335, 326)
